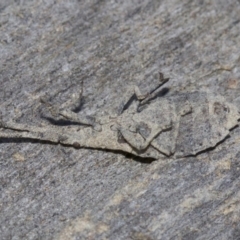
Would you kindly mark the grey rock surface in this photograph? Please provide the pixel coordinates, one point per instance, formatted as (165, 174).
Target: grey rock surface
(49, 48)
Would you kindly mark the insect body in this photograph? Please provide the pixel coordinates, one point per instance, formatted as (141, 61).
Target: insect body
(181, 125)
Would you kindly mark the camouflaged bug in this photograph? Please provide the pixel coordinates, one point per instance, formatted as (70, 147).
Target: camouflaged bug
(155, 127)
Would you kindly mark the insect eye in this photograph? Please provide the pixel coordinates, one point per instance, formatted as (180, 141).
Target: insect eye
(220, 108)
(226, 109)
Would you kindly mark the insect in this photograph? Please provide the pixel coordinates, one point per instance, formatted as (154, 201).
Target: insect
(149, 126)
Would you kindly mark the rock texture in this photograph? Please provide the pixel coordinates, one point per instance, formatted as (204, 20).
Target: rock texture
(52, 47)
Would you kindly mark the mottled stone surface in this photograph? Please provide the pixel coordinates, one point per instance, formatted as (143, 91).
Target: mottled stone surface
(54, 192)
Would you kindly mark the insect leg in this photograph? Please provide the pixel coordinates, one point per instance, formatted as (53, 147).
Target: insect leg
(157, 90)
(24, 131)
(72, 116)
(132, 94)
(135, 94)
(75, 102)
